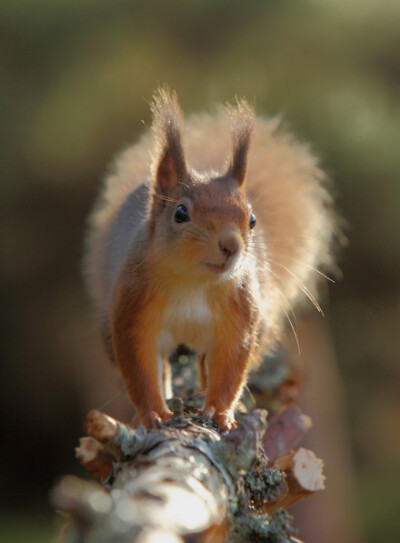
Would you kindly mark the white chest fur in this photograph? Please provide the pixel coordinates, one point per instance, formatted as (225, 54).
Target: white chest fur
(188, 319)
(189, 306)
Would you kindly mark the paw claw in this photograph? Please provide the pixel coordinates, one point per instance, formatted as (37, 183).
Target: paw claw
(154, 419)
(166, 415)
(209, 412)
(224, 419)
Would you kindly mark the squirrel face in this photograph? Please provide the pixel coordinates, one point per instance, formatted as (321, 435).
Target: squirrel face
(202, 228)
(200, 223)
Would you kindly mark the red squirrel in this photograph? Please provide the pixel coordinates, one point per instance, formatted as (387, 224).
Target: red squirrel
(206, 233)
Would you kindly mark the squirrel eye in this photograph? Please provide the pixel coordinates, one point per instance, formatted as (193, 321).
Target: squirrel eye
(181, 214)
(252, 221)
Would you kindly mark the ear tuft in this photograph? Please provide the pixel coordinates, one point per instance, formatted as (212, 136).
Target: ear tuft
(241, 120)
(168, 163)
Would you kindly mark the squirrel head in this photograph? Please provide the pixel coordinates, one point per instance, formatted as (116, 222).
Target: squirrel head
(200, 223)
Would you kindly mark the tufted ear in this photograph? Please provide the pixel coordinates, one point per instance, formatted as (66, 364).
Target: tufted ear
(241, 117)
(169, 165)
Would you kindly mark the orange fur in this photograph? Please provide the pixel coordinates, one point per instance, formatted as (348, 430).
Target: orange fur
(156, 282)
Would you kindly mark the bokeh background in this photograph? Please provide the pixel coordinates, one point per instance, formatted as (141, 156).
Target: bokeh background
(76, 79)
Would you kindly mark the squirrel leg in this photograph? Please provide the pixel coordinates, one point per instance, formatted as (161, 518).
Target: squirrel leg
(167, 378)
(226, 377)
(141, 376)
(135, 348)
(202, 368)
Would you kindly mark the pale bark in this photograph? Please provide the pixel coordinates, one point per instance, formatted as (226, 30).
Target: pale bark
(184, 481)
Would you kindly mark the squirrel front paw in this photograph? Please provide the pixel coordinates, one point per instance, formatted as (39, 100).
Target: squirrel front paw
(224, 419)
(154, 420)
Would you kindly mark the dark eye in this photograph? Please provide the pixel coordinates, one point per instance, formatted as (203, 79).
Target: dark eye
(181, 214)
(252, 221)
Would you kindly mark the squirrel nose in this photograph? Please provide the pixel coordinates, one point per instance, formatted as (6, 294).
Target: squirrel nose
(229, 246)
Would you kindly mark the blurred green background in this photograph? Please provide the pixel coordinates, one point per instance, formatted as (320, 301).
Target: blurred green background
(76, 78)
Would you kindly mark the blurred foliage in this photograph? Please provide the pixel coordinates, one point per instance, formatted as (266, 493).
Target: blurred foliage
(378, 500)
(33, 529)
(76, 79)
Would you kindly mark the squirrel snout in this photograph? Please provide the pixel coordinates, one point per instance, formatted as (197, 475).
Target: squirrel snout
(229, 245)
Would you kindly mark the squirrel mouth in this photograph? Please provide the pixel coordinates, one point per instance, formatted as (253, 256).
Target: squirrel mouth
(216, 268)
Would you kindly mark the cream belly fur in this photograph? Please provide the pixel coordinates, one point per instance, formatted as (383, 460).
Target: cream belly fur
(188, 319)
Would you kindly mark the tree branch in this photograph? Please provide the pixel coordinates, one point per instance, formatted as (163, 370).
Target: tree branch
(185, 481)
